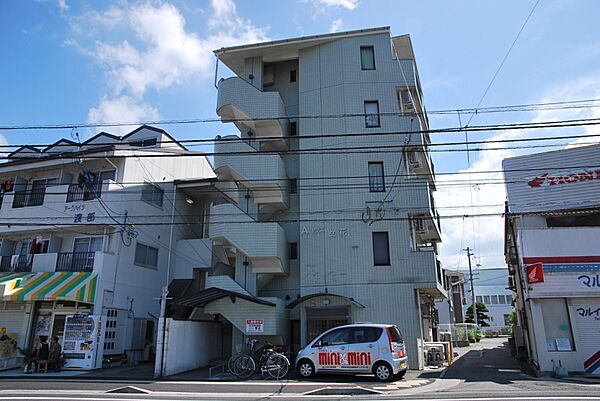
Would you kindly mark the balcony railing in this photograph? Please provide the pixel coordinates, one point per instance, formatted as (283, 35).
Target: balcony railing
(78, 193)
(20, 263)
(29, 198)
(75, 262)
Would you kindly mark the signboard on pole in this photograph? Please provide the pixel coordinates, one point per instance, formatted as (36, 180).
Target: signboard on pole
(255, 325)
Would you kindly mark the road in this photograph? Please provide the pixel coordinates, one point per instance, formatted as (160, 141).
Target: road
(485, 372)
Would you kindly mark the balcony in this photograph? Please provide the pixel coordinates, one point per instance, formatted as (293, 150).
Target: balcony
(424, 218)
(29, 198)
(251, 109)
(263, 174)
(59, 262)
(264, 244)
(77, 193)
(75, 261)
(16, 263)
(420, 164)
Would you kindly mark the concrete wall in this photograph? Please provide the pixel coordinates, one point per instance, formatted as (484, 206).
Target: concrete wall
(189, 345)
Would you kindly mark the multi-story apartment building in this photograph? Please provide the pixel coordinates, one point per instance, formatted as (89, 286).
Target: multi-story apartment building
(332, 218)
(551, 248)
(451, 310)
(90, 233)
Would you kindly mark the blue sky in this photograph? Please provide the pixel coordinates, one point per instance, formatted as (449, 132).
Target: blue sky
(87, 61)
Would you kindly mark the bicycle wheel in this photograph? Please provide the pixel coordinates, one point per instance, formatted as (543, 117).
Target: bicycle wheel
(244, 366)
(277, 365)
(231, 363)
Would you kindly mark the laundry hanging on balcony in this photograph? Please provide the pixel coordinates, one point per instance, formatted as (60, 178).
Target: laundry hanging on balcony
(69, 286)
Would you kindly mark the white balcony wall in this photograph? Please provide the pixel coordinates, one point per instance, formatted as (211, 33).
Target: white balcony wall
(264, 243)
(44, 262)
(274, 317)
(263, 174)
(263, 112)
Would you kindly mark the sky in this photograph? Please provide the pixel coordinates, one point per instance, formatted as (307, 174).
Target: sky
(76, 62)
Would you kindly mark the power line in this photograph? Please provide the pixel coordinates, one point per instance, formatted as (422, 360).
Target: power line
(573, 104)
(503, 61)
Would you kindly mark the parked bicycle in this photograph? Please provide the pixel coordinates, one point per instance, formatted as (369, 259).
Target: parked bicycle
(258, 355)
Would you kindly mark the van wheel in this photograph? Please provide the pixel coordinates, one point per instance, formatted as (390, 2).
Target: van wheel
(306, 369)
(383, 372)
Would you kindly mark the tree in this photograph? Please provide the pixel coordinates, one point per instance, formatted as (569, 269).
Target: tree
(482, 318)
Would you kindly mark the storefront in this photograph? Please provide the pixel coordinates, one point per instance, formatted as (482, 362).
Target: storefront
(46, 305)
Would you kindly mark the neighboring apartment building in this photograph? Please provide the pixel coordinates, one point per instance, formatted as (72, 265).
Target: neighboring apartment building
(332, 218)
(551, 247)
(87, 241)
(491, 288)
(450, 310)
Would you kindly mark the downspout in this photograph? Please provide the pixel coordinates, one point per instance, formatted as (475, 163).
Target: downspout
(216, 71)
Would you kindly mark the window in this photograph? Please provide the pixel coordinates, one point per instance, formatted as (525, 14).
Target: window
(144, 143)
(507, 321)
(405, 102)
(502, 300)
(486, 299)
(479, 298)
(292, 75)
(293, 250)
(376, 177)
(146, 255)
(367, 58)
(152, 194)
(293, 185)
(381, 249)
(293, 128)
(88, 244)
(494, 299)
(336, 337)
(372, 114)
(365, 334)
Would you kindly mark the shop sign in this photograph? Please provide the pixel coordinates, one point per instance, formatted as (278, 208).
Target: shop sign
(255, 325)
(546, 180)
(535, 273)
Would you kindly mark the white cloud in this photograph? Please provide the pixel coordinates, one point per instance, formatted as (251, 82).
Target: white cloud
(121, 109)
(62, 5)
(153, 49)
(336, 25)
(347, 4)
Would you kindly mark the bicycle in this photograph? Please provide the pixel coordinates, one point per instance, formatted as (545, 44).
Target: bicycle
(244, 364)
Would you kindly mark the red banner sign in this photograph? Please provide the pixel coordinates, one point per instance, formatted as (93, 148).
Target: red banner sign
(535, 273)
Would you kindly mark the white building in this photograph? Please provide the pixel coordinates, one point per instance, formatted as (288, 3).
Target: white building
(332, 217)
(491, 288)
(86, 230)
(551, 247)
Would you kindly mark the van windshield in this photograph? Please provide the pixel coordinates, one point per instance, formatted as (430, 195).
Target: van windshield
(395, 333)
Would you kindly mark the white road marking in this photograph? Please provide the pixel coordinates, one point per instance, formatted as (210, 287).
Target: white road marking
(510, 370)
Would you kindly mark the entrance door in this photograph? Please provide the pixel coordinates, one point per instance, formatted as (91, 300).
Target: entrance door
(319, 320)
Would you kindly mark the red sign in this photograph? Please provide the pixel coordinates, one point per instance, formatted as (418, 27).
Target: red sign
(545, 180)
(535, 273)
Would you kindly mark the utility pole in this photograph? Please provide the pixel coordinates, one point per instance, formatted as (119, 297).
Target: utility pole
(469, 254)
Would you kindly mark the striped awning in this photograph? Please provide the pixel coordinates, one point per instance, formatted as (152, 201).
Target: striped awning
(68, 286)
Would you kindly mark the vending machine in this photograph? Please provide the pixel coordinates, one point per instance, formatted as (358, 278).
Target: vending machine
(83, 341)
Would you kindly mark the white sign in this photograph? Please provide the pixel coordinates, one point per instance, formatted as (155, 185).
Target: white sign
(255, 325)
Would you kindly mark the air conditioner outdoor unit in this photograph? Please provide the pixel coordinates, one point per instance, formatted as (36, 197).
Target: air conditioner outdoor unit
(414, 159)
(420, 226)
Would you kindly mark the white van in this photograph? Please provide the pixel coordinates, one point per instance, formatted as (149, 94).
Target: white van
(356, 348)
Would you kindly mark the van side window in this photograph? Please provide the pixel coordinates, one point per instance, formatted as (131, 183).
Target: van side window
(366, 334)
(336, 337)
